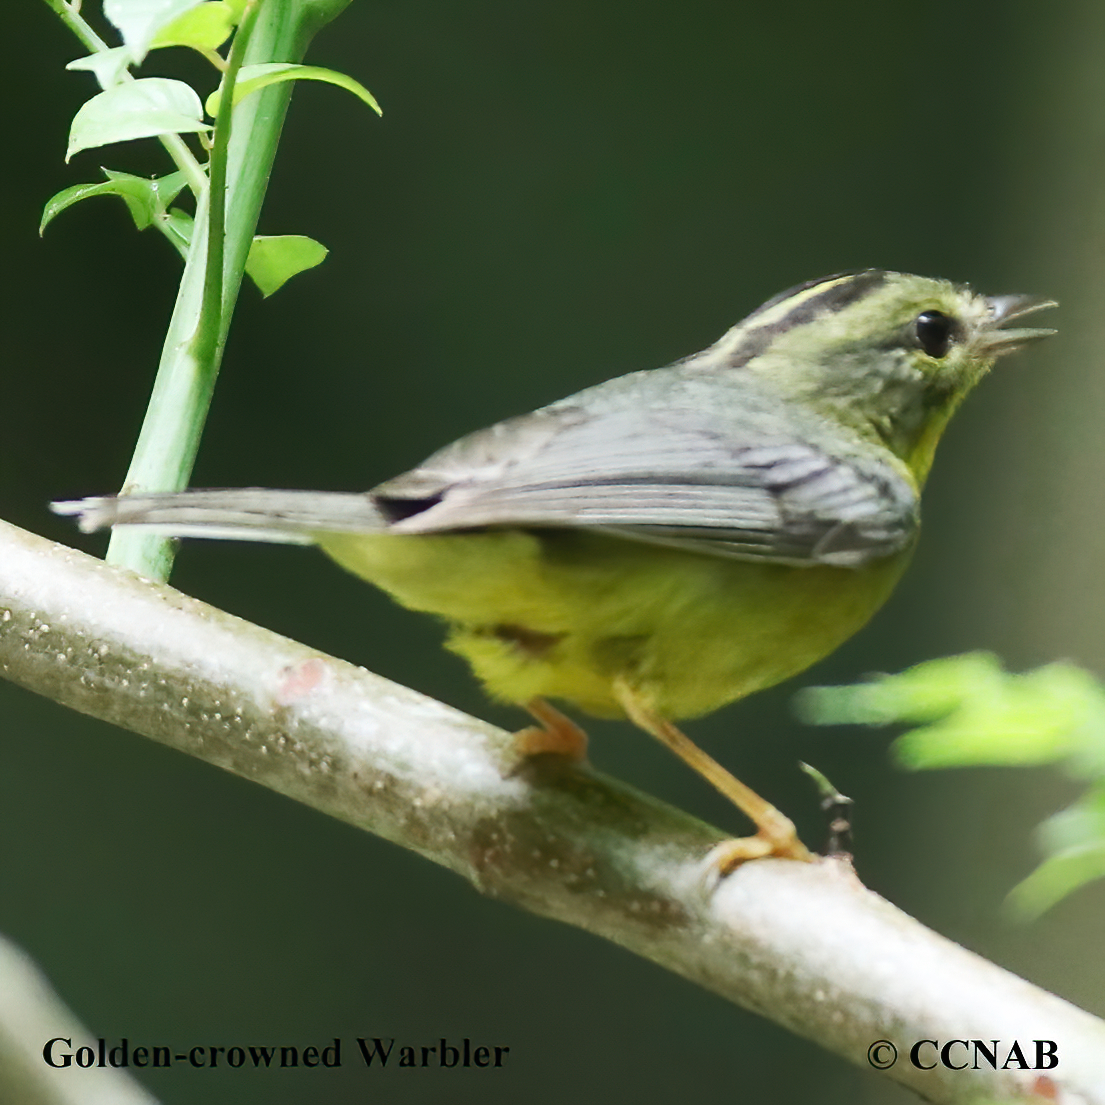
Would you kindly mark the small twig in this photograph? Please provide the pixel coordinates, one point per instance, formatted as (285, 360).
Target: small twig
(838, 808)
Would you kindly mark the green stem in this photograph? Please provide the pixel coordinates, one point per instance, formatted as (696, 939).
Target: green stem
(76, 23)
(182, 157)
(210, 336)
(191, 356)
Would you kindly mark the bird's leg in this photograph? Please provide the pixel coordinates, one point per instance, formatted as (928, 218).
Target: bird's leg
(556, 733)
(775, 835)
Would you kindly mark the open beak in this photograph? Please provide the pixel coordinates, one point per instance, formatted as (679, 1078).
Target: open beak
(996, 340)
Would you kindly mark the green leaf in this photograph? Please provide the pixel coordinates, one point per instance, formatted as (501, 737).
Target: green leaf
(56, 204)
(273, 261)
(205, 27)
(107, 65)
(252, 78)
(139, 21)
(145, 199)
(158, 192)
(137, 109)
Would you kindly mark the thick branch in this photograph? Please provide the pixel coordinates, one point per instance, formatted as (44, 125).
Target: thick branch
(803, 944)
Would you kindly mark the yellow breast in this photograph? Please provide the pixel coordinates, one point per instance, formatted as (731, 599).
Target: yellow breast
(563, 613)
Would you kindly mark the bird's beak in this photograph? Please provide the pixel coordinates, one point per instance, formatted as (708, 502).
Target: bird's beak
(996, 340)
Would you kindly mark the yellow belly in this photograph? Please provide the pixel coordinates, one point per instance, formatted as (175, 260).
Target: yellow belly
(563, 613)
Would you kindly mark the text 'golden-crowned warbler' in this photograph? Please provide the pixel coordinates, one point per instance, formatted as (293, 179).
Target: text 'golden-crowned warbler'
(671, 540)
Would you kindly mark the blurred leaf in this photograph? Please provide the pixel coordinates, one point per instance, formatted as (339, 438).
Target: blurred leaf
(1074, 843)
(274, 260)
(139, 21)
(205, 27)
(923, 693)
(976, 713)
(252, 78)
(1054, 879)
(138, 109)
(1044, 716)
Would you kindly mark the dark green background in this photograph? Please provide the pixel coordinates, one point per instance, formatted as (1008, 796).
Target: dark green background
(557, 193)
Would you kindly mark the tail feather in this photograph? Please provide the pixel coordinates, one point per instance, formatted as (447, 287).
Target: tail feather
(248, 514)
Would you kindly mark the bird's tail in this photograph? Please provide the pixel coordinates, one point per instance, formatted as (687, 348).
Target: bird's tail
(245, 514)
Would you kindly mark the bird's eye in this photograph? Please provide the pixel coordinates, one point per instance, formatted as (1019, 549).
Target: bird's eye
(935, 332)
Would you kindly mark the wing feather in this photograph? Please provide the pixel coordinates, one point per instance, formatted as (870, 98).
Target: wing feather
(755, 488)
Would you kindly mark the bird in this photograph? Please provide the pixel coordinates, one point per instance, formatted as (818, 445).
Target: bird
(664, 543)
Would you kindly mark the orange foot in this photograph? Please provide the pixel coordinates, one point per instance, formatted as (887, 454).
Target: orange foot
(556, 733)
(726, 857)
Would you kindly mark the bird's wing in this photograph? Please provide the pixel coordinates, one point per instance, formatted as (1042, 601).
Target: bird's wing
(677, 476)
